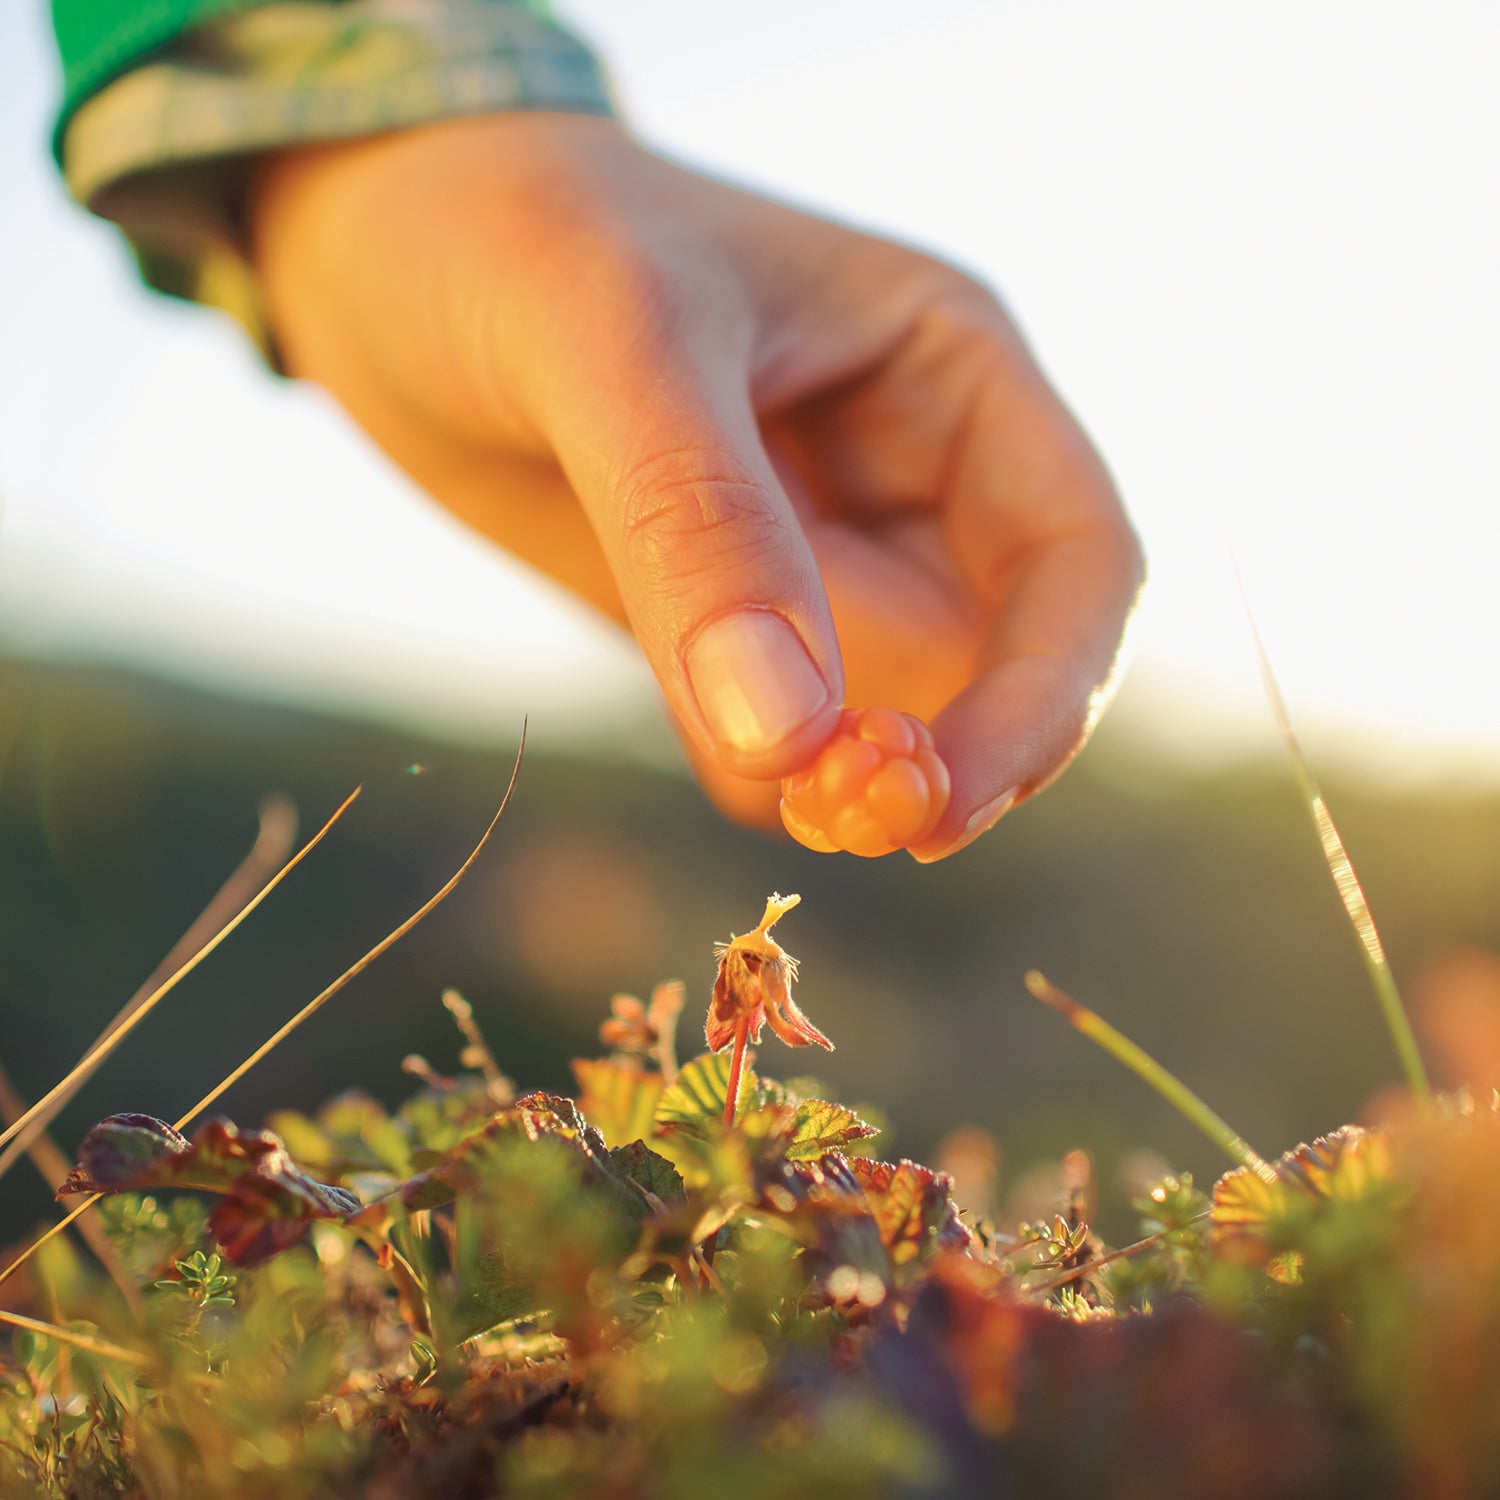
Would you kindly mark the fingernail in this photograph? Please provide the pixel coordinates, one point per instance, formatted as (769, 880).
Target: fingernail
(980, 821)
(754, 681)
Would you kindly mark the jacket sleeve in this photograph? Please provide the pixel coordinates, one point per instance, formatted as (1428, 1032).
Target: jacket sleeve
(168, 102)
(97, 40)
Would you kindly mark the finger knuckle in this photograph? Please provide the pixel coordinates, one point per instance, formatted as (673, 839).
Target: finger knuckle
(951, 292)
(693, 511)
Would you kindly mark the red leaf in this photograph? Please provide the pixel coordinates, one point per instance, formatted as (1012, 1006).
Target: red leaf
(267, 1202)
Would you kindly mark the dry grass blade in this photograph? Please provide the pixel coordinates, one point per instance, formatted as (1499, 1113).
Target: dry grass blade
(1149, 1071)
(275, 832)
(393, 937)
(114, 1037)
(88, 1342)
(312, 1006)
(1351, 893)
(50, 1233)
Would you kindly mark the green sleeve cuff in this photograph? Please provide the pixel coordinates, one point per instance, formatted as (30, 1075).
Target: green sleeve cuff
(165, 150)
(97, 40)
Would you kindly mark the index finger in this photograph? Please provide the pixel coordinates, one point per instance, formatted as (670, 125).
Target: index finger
(1036, 525)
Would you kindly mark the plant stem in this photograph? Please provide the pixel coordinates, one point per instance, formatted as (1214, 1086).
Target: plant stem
(736, 1069)
(1149, 1071)
(1078, 1272)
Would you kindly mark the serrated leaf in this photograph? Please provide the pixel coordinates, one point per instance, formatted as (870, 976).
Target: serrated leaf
(825, 1205)
(647, 1170)
(618, 1097)
(913, 1208)
(1247, 1206)
(820, 1126)
(697, 1097)
(541, 1213)
(767, 1093)
(465, 1166)
(266, 1202)
(491, 1297)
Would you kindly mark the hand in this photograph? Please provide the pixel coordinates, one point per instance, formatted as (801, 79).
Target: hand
(752, 435)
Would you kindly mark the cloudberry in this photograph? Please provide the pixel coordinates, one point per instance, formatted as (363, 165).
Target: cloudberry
(877, 786)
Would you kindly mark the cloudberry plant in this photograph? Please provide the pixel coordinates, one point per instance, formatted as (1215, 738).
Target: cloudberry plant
(877, 786)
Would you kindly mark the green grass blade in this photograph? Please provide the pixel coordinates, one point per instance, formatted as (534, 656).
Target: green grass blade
(1149, 1071)
(1341, 867)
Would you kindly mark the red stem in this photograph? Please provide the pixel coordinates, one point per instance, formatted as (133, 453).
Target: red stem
(736, 1069)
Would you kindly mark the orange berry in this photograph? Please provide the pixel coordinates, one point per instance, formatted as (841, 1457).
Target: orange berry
(877, 786)
(894, 733)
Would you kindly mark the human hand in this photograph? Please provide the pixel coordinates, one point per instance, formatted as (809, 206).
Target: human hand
(800, 462)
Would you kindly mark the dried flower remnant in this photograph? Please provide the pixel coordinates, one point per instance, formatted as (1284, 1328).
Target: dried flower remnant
(414, 1065)
(476, 1053)
(628, 1028)
(648, 1031)
(753, 989)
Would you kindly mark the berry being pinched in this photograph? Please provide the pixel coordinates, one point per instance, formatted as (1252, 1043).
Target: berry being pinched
(877, 786)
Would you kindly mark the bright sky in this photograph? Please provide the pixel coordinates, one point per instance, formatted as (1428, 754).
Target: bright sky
(1255, 247)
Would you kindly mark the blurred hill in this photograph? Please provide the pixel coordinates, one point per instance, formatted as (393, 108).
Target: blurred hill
(1194, 912)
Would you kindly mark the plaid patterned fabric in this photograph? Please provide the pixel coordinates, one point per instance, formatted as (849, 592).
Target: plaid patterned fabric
(164, 151)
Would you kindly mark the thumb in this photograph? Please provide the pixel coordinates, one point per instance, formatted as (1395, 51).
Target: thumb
(714, 570)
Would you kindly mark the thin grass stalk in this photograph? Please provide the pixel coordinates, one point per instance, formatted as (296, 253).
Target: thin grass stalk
(1150, 1072)
(355, 969)
(302, 1015)
(1341, 868)
(103, 1348)
(88, 1342)
(50, 1233)
(102, 1049)
(276, 828)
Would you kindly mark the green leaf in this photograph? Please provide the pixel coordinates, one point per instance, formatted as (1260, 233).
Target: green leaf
(148, 1237)
(466, 1166)
(820, 1126)
(642, 1166)
(1250, 1209)
(491, 1297)
(697, 1098)
(618, 1097)
(539, 1221)
(351, 1133)
(433, 1120)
